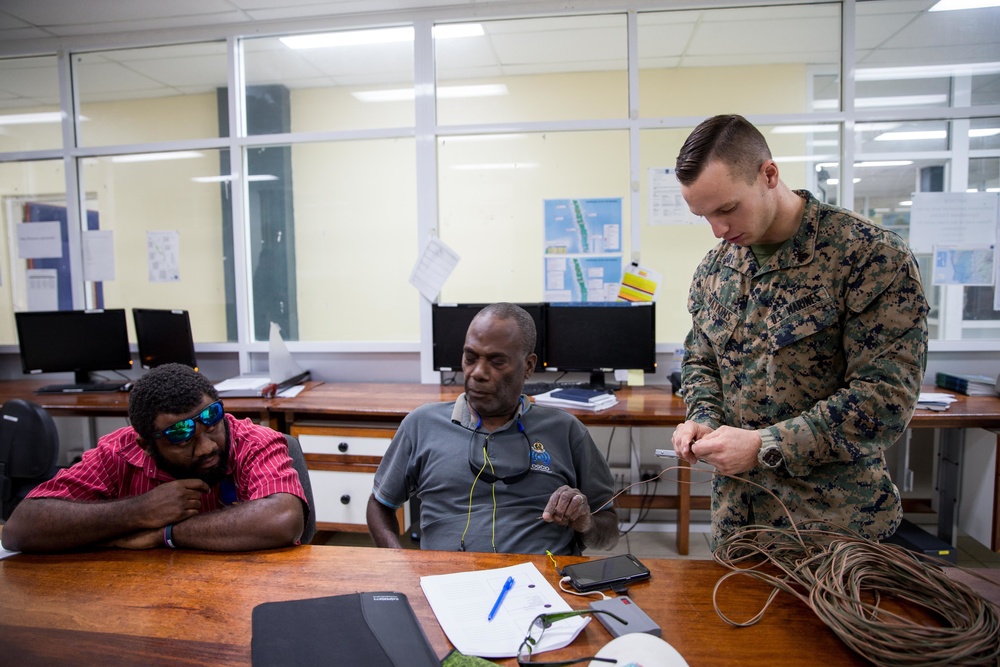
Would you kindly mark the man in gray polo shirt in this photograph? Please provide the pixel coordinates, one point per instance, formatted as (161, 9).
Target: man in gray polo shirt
(493, 471)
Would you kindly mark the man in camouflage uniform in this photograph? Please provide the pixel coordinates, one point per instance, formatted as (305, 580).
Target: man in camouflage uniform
(807, 349)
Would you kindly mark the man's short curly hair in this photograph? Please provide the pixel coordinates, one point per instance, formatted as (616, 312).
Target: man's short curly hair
(167, 389)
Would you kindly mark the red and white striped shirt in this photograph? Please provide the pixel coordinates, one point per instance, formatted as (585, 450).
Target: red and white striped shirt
(118, 467)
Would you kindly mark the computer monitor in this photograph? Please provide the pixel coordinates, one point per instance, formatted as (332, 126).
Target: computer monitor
(596, 338)
(81, 341)
(164, 337)
(449, 323)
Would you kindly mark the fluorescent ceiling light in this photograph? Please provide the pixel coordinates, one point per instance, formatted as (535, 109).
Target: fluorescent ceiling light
(993, 189)
(443, 92)
(495, 166)
(802, 158)
(825, 142)
(933, 134)
(950, 5)
(836, 181)
(804, 129)
(884, 163)
(31, 118)
(926, 71)
(228, 178)
(154, 157)
(912, 136)
(377, 36)
(880, 102)
(906, 203)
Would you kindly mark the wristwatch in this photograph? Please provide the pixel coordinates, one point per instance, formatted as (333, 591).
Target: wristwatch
(770, 455)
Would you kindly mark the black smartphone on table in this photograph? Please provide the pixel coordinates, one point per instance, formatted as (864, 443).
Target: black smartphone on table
(613, 572)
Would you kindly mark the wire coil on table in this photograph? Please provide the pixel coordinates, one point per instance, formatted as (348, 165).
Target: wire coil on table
(843, 577)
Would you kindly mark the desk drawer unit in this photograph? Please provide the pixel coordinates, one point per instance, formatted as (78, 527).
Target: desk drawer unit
(342, 461)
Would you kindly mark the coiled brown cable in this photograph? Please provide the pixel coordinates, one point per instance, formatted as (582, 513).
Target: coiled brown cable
(843, 578)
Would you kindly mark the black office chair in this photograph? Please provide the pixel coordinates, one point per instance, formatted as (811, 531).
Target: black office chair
(29, 449)
(299, 463)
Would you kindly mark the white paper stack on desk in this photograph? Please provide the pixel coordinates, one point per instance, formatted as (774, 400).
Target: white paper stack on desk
(572, 398)
(284, 373)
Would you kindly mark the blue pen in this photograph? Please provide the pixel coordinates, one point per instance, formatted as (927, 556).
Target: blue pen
(509, 584)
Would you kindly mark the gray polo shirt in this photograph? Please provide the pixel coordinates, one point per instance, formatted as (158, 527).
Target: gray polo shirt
(429, 458)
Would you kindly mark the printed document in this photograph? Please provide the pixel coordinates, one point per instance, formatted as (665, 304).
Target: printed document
(462, 601)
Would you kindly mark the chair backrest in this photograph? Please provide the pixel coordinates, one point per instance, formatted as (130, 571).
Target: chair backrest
(29, 449)
(299, 463)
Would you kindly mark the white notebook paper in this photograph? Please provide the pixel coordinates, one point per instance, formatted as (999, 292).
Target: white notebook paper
(462, 601)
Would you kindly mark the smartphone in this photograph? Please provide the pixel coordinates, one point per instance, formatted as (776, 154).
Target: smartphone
(604, 573)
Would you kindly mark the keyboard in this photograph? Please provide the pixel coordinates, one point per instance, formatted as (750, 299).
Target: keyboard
(87, 387)
(534, 388)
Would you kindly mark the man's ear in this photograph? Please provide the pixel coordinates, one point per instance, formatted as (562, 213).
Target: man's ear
(529, 365)
(770, 171)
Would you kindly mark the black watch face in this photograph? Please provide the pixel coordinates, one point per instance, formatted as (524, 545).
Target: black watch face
(772, 457)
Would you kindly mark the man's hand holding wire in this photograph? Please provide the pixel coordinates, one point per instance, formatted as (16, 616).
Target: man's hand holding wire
(568, 507)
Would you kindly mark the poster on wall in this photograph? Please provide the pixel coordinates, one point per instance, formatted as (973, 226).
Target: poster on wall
(963, 265)
(582, 249)
(952, 218)
(163, 255)
(666, 205)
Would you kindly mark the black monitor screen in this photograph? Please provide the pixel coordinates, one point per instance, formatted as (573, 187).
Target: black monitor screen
(449, 322)
(595, 337)
(164, 337)
(73, 340)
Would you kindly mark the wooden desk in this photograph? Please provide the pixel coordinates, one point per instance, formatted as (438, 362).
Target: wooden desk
(112, 403)
(165, 607)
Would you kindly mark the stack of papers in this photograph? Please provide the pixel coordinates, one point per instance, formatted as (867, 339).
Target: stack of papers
(577, 399)
(934, 401)
(462, 601)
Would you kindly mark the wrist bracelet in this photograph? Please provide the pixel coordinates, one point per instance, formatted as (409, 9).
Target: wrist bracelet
(168, 536)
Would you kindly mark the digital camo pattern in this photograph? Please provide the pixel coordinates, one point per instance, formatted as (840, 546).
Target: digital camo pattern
(824, 349)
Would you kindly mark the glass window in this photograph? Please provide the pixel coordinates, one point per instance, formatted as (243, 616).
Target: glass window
(31, 191)
(751, 60)
(165, 214)
(907, 56)
(30, 117)
(154, 94)
(566, 68)
(355, 241)
(347, 80)
(492, 204)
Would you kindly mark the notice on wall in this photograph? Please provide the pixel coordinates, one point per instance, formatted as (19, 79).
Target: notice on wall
(582, 249)
(98, 255)
(666, 205)
(963, 265)
(952, 219)
(42, 289)
(435, 264)
(163, 256)
(39, 240)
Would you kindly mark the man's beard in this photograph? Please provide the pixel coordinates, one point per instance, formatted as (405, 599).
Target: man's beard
(212, 476)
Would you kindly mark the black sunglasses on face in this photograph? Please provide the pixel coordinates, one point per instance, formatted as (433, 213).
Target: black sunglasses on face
(544, 621)
(182, 431)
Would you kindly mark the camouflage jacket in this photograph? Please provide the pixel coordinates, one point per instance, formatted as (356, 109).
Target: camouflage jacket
(822, 351)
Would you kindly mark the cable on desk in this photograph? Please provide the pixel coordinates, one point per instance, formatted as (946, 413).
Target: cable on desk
(843, 577)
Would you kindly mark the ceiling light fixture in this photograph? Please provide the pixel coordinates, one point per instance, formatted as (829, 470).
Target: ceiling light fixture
(227, 178)
(804, 129)
(31, 118)
(926, 71)
(155, 157)
(443, 92)
(880, 102)
(495, 166)
(951, 5)
(377, 36)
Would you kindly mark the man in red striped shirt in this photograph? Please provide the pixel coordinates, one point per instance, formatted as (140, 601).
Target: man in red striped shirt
(184, 474)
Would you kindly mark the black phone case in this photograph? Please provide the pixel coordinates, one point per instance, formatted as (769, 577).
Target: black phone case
(619, 582)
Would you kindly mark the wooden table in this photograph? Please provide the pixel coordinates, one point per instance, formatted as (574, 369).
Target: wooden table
(165, 607)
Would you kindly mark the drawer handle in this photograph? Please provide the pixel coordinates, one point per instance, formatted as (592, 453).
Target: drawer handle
(342, 447)
(344, 499)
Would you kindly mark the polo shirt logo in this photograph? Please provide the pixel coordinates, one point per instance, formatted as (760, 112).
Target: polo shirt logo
(540, 459)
